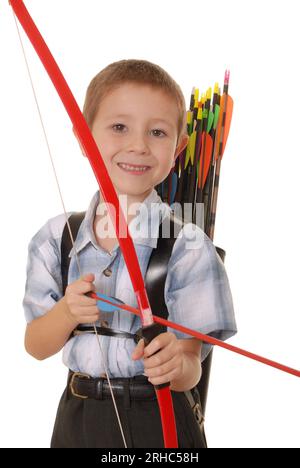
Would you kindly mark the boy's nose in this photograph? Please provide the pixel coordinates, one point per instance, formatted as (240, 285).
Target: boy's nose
(138, 144)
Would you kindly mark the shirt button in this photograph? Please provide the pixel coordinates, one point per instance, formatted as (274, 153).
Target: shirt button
(107, 272)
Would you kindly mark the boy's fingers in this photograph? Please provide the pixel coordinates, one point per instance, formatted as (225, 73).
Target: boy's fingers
(86, 301)
(159, 343)
(86, 311)
(90, 318)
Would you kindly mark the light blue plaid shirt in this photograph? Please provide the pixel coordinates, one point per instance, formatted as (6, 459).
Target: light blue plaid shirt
(197, 292)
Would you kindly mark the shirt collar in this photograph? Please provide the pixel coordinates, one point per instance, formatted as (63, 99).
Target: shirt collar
(143, 228)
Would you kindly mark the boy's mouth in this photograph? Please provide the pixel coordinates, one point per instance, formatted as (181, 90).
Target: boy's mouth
(133, 168)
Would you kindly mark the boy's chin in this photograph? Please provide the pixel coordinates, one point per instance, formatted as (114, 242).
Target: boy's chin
(134, 192)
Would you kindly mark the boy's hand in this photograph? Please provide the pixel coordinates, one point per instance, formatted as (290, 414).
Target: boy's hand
(167, 364)
(81, 308)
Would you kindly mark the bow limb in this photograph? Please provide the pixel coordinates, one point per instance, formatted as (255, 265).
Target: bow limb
(109, 195)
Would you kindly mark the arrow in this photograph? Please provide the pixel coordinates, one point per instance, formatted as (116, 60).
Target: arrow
(205, 338)
(222, 135)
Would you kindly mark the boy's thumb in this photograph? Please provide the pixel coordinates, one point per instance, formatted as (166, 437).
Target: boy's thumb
(88, 277)
(139, 350)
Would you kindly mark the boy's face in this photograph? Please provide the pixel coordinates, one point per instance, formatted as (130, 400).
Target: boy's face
(137, 125)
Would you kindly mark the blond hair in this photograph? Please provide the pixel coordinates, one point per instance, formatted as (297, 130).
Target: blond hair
(134, 71)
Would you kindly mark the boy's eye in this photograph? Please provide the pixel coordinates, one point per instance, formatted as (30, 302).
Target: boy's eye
(157, 132)
(119, 127)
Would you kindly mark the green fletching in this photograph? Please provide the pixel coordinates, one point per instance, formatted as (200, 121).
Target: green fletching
(216, 116)
(210, 121)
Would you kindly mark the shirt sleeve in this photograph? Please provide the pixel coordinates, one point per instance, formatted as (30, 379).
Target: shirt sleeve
(197, 291)
(43, 284)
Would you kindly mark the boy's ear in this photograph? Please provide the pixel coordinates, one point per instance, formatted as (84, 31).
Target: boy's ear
(183, 141)
(79, 142)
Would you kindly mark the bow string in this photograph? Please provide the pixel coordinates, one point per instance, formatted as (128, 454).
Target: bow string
(110, 197)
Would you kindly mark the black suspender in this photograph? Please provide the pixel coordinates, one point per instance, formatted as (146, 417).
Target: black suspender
(75, 221)
(156, 273)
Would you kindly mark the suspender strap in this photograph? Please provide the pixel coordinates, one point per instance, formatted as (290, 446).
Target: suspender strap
(75, 221)
(157, 269)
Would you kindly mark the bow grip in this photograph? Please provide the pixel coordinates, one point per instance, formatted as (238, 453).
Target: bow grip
(149, 333)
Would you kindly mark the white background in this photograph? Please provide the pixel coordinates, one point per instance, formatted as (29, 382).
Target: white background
(249, 404)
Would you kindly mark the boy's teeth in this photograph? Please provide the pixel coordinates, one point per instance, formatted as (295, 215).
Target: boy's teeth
(133, 168)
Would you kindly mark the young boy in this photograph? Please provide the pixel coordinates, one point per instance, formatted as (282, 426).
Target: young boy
(136, 113)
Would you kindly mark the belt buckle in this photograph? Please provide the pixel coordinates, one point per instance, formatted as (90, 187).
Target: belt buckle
(198, 414)
(78, 374)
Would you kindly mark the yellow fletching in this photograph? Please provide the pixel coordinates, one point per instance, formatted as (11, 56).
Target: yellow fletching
(187, 157)
(190, 149)
(192, 146)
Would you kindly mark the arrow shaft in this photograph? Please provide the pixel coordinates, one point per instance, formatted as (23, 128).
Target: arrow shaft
(211, 340)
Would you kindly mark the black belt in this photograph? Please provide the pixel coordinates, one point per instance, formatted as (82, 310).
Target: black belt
(84, 386)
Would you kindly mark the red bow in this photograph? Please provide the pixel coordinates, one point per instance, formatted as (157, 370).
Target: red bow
(109, 195)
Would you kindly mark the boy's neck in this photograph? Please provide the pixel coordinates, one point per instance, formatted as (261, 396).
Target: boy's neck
(126, 202)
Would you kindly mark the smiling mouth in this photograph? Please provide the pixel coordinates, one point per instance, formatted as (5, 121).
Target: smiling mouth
(133, 168)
